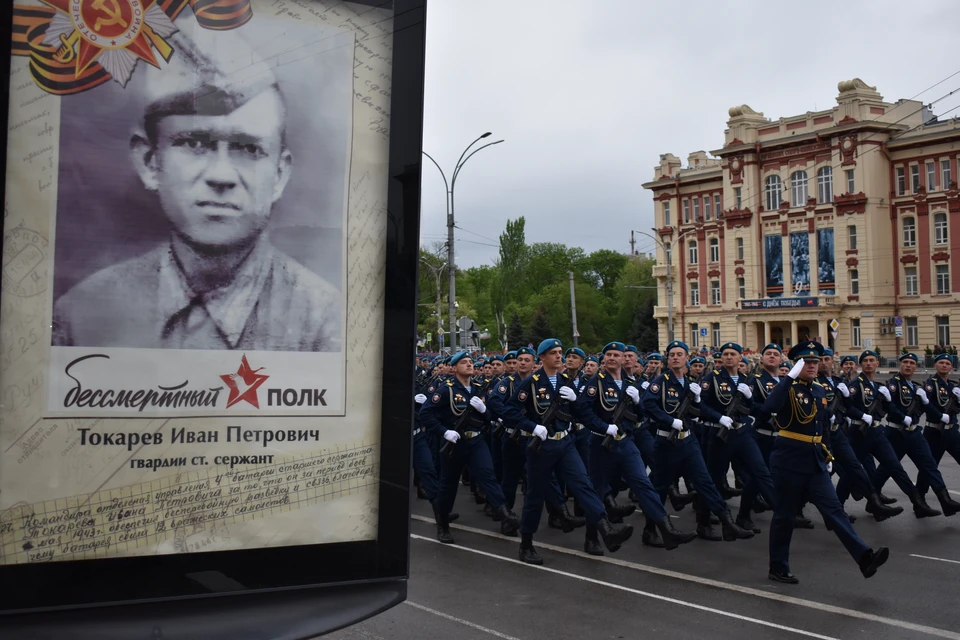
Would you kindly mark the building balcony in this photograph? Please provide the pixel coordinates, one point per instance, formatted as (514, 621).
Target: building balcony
(660, 271)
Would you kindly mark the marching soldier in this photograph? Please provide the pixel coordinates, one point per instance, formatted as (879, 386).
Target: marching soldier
(547, 397)
(904, 411)
(590, 367)
(697, 365)
(800, 464)
(575, 360)
(451, 406)
(653, 366)
(676, 451)
(941, 431)
(848, 369)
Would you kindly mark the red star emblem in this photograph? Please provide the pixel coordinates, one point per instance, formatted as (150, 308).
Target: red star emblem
(249, 379)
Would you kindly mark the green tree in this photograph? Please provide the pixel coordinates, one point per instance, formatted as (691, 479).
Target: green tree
(539, 327)
(516, 336)
(603, 269)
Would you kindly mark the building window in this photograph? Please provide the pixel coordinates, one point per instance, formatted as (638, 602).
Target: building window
(686, 210)
(714, 292)
(739, 248)
(695, 336)
(798, 188)
(940, 228)
(915, 177)
(943, 280)
(716, 205)
(910, 276)
(694, 294)
(714, 250)
(692, 252)
(901, 181)
(945, 178)
(707, 208)
(852, 238)
(668, 250)
(825, 185)
(854, 282)
(741, 288)
(696, 209)
(943, 330)
(715, 333)
(855, 332)
(913, 332)
(850, 182)
(738, 196)
(909, 232)
(774, 192)
(666, 214)
(931, 176)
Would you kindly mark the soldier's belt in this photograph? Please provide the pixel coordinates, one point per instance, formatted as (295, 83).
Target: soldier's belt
(619, 436)
(767, 432)
(471, 434)
(717, 425)
(939, 426)
(899, 426)
(578, 427)
(834, 426)
(560, 435)
(792, 435)
(525, 434)
(668, 434)
(417, 430)
(860, 423)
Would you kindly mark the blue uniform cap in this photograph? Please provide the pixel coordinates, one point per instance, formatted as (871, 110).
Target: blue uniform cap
(525, 351)
(772, 345)
(786, 364)
(731, 345)
(943, 356)
(510, 355)
(593, 359)
(847, 359)
(868, 353)
(577, 351)
(745, 360)
(910, 356)
(698, 360)
(632, 349)
(716, 355)
(655, 357)
(546, 345)
(677, 343)
(811, 350)
(614, 346)
(827, 351)
(457, 357)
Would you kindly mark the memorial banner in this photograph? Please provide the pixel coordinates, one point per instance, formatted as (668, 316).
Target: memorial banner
(800, 263)
(773, 261)
(826, 273)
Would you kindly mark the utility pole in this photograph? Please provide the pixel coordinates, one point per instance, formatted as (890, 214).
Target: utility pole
(573, 311)
(633, 242)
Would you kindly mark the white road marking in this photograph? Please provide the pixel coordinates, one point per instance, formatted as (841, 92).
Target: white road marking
(466, 623)
(646, 594)
(811, 604)
(956, 493)
(914, 555)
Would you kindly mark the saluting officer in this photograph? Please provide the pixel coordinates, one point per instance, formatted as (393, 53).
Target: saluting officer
(677, 451)
(534, 397)
(800, 464)
(941, 431)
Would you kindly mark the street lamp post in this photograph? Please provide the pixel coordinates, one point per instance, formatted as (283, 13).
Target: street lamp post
(451, 262)
(659, 242)
(437, 270)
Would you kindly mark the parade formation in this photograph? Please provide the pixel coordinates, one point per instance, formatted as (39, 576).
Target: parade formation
(618, 431)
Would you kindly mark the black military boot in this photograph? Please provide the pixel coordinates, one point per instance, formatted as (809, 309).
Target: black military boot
(705, 529)
(554, 521)
(801, 521)
(421, 494)
(591, 542)
(920, 507)
(478, 496)
(680, 500)
(744, 521)
(871, 560)
(672, 538)
(948, 504)
(760, 505)
(650, 537)
(443, 527)
(884, 499)
(783, 576)
(879, 510)
(527, 553)
(731, 531)
(509, 522)
(727, 491)
(570, 520)
(614, 535)
(616, 512)
(490, 513)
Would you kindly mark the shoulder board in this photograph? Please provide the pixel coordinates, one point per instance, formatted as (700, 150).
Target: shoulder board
(666, 376)
(716, 372)
(536, 377)
(512, 377)
(449, 383)
(757, 375)
(818, 383)
(601, 376)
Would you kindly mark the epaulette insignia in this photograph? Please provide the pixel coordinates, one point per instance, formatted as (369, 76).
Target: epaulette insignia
(536, 377)
(817, 382)
(601, 376)
(449, 383)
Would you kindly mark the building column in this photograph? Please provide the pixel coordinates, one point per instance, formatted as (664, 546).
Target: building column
(793, 333)
(823, 330)
(766, 332)
(741, 333)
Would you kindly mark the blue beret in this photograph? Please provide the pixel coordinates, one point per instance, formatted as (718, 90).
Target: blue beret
(827, 351)
(847, 359)
(731, 345)
(496, 358)
(614, 346)
(656, 357)
(698, 360)
(786, 364)
(868, 353)
(675, 344)
(772, 345)
(745, 360)
(525, 351)
(716, 355)
(943, 356)
(632, 349)
(546, 345)
(577, 351)
(457, 357)
(806, 350)
(593, 359)
(510, 355)
(910, 356)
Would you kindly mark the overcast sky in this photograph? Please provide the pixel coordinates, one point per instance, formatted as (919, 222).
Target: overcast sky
(587, 95)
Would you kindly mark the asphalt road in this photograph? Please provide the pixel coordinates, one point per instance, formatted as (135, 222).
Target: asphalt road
(478, 590)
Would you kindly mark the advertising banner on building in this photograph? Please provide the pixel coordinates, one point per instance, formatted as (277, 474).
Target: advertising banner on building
(193, 276)
(826, 274)
(773, 262)
(800, 263)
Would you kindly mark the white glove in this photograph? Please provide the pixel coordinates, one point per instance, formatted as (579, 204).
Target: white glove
(956, 391)
(540, 431)
(634, 394)
(451, 436)
(645, 384)
(923, 396)
(568, 394)
(419, 398)
(945, 419)
(885, 392)
(745, 390)
(868, 419)
(842, 388)
(907, 421)
(477, 404)
(612, 430)
(833, 419)
(677, 424)
(797, 368)
(829, 467)
(726, 421)
(695, 390)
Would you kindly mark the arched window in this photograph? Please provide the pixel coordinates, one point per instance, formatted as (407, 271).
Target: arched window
(825, 185)
(774, 192)
(798, 188)
(692, 252)
(909, 232)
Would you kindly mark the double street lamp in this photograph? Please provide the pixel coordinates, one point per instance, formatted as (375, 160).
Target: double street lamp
(451, 263)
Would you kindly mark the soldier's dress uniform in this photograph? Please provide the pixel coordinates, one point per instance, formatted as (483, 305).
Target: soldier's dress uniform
(942, 437)
(512, 444)
(798, 464)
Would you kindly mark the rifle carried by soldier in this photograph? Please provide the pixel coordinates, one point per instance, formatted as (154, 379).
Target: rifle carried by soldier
(732, 411)
(469, 415)
(550, 416)
(688, 409)
(619, 414)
